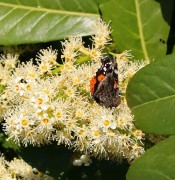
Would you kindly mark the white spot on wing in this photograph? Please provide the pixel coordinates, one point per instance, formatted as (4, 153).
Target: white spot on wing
(115, 71)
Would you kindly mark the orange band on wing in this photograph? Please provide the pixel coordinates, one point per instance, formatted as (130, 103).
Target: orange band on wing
(92, 84)
(100, 77)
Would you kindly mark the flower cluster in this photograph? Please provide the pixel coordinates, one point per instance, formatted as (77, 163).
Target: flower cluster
(40, 107)
(18, 169)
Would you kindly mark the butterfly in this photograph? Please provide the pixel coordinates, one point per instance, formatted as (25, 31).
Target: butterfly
(104, 85)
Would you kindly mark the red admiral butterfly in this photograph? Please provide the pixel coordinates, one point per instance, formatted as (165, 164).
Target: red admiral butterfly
(104, 85)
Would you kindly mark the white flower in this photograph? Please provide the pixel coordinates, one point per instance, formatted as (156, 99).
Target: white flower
(9, 60)
(102, 34)
(71, 48)
(47, 56)
(45, 125)
(106, 119)
(40, 100)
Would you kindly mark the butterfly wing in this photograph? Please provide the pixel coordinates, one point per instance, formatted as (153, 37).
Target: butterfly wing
(107, 94)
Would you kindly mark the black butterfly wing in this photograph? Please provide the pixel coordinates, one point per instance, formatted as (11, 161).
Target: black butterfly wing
(106, 93)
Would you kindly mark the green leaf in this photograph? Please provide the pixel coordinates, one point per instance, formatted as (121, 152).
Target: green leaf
(151, 96)
(137, 25)
(35, 21)
(156, 164)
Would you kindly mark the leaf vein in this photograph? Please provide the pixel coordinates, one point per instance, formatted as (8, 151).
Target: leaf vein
(5, 15)
(124, 9)
(32, 26)
(168, 85)
(56, 24)
(160, 173)
(73, 13)
(140, 28)
(150, 18)
(128, 30)
(59, 4)
(38, 2)
(153, 101)
(18, 2)
(17, 21)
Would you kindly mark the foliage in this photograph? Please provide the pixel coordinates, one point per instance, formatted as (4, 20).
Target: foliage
(151, 96)
(146, 28)
(156, 163)
(139, 26)
(33, 21)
